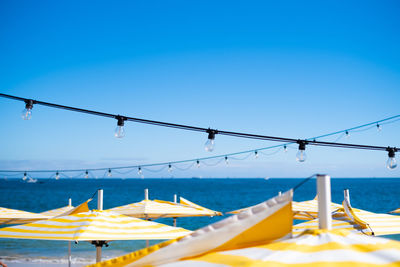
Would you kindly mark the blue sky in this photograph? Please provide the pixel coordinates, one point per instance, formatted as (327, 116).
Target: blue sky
(291, 69)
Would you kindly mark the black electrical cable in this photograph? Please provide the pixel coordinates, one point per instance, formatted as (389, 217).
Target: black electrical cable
(198, 129)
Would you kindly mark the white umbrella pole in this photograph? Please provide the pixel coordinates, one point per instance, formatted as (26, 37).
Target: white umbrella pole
(146, 194)
(347, 195)
(100, 199)
(69, 254)
(175, 201)
(99, 207)
(69, 202)
(324, 201)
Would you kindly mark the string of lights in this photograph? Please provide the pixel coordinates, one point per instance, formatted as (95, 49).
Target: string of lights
(209, 146)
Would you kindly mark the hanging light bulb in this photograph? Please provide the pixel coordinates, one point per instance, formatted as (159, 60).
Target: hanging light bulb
(109, 174)
(226, 160)
(140, 171)
(347, 134)
(256, 154)
(301, 154)
(24, 178)
(27, 112)
(86, 174)
(169, 168)
(378, 127)
(120, 131)
(285, 148)
(210, 144)
(57, 176)
(391, 162)
(198, 163)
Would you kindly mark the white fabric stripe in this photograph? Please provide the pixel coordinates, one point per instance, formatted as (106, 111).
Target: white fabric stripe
(193, 264)
(324, 238)
(342, 255)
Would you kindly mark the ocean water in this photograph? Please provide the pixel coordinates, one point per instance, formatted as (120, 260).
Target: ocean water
(374, 194)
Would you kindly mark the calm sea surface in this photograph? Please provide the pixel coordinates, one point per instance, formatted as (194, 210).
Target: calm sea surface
(373, 194)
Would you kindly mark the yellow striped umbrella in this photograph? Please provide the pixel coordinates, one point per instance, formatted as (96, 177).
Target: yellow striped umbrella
(11, 216)
(308, 210)
(396, 211)
(93, 225)
(312, 248)
(305, 210)
(357, 220)
(153, 209)
(260, 224)
(186, 202)
(58, 212)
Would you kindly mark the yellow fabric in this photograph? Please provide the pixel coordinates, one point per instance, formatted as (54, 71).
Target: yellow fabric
(93, 225)
(352, 216)
(11, 216)
(81, 208)
(159, 209)
(264, 223)
(186, 202)
(308, 245)
(57, 212)
(277, 223)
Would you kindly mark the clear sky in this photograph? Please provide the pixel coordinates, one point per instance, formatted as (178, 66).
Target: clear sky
(293, 69)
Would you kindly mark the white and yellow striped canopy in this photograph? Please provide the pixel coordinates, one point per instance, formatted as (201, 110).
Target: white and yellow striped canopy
(312, 248)
(308, 210)
(186, 202)
(153, 209)
(305, 210)
(57, 212)
(396, 211)
(93, 225)
(360, 221)
(262, 224)
(11, 216)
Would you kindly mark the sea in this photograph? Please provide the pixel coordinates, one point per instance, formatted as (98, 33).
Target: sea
(379, 195)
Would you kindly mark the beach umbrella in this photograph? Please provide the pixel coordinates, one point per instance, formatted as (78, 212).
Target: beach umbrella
(260, 224)
(305, 210)
(322, 247)
(98, 226)
(311, 248)
(396, 211)
(60, 211)
(11, 216)
(357, 220)
(186, 202)
(154, 209)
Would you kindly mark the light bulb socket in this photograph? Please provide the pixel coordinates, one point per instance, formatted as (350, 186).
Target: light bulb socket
(57, 173)
(120, 120)
(198, 162)
(24, 173)
(391, 151)
(109, 170)
(140, 168)
(302, 144)
(86, 172)
(226, 158)
(211, 133)
(29, 103)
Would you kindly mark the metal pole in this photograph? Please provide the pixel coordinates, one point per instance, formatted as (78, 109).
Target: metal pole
(324, 201)
(69, 253)
(99, 207)
(347, 195)
(146, 194)
(279, 193)
(69, 202)
(175, 201)
(98, 253)
(100, 199)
